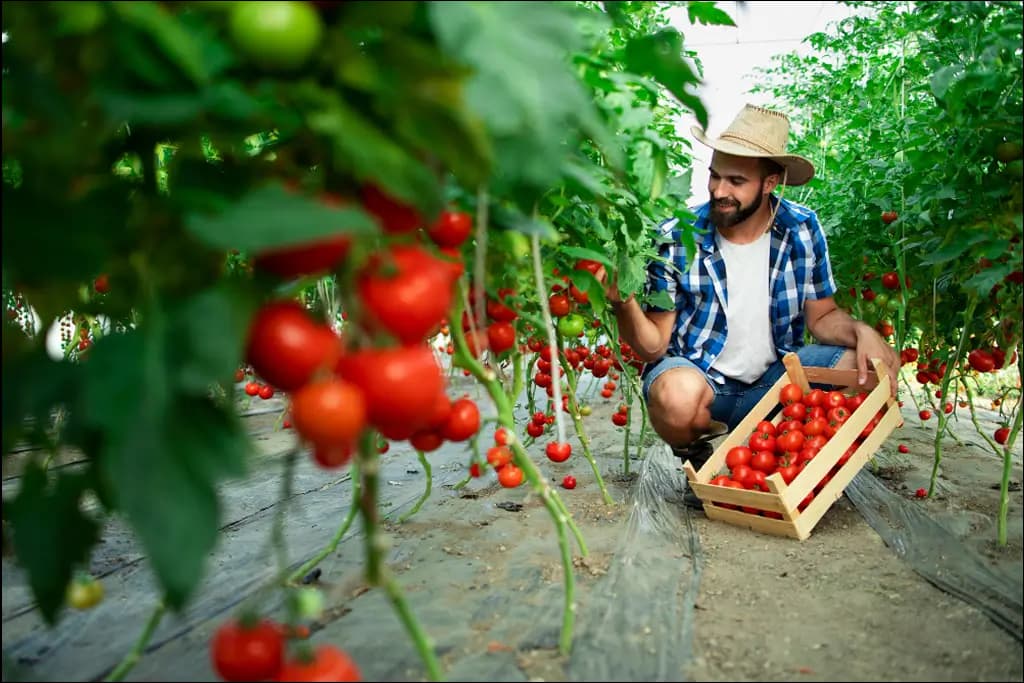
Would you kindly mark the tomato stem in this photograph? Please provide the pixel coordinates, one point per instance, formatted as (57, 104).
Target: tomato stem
(426, 492)
(311, 564)
(951, 368)
(574, 409)
(135, 654)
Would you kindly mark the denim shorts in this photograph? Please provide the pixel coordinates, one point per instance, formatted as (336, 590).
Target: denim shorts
(734, 399)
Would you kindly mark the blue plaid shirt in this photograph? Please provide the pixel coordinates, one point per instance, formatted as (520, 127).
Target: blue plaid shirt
(799, 271)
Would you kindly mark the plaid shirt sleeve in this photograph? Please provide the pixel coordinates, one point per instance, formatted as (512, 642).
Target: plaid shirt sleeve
(821, 284)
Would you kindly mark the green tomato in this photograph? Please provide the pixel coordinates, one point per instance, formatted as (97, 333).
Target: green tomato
(585, 410)
(518, 244)
(571, 325)
(277, 36)
(894, 305)
(84, 592)
(309, 603)
(881, 300)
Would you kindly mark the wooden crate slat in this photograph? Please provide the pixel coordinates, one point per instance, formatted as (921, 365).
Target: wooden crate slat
(775, 527)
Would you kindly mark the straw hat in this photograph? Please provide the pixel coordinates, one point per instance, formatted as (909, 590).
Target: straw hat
(761, 133)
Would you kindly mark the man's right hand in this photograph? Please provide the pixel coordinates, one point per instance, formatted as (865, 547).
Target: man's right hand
(611, 287)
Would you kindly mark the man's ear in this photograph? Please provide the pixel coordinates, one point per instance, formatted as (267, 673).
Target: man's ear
(770, 183)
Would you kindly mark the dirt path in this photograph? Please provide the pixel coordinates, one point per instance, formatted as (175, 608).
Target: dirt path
(663, 594)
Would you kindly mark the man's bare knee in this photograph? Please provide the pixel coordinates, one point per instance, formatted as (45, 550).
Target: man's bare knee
(679, 405)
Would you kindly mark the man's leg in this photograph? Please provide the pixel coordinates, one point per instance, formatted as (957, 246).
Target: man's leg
(679, 403)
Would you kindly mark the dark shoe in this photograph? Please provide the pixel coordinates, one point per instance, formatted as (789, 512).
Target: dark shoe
(691, 500)
(697, 453)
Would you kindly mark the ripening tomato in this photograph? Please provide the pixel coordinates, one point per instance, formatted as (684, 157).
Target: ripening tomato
(791, 393)
(559, 305)
(329, 413)
(286, 347)
(84, 592)
(247, 653)
(407, 292)
(101, 284)
(451, 228)
(558, 451)
(738, 455)
(510, 476)
(329, 663)
(400, 386)
(501, 336)
(499, 456)
(463, 421)
(426, 440)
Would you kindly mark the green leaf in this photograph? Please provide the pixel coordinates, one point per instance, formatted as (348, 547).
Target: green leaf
(661, 299)
(37, 224)
(982, 283)
(51, 533)
(169, 34)
(510, 218)
(660, 56)
(210, 339)
(162, 451)
(371, 153)
(269, 217)
(586, 282)
(943, 79)
(523, 86)
(953, 250)
(706, 13)
(585, 253)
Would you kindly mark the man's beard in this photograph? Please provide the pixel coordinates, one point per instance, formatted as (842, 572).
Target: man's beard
(727, 220)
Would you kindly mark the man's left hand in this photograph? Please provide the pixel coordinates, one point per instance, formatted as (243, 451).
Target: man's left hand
(871, 345)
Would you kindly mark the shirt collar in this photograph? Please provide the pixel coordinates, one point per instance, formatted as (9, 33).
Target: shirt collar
(788, 217)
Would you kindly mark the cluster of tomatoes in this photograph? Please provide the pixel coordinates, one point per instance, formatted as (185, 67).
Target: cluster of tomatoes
(806, 424)
(255, 650)
(383, 374)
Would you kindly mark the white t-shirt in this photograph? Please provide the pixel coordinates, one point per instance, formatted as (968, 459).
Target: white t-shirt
(749, 349)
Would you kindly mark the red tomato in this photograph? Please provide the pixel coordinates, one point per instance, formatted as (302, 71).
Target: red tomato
(426, 440)
(499, 456)
(559, 305)
(738, 455)
(795, 411)
(252, 388)
(247, 654)
(510, 476)
(331, 457)
(743, 474)
(1002, 435)
(569, 482)
(498, 310)
(535, 429)
(329, 663)
(791, 393)
(501, 436)
(588, 265)
(394, 216)
(407, 292)
(854, 402)
(101, 284)
(835, 399)
(619, 419)
(762, 440)
(816, 397)
(266, 392)
(788, 473)
(903, 448)
(501, 336)
(791, 441)
(310, 258)
(400, 386)
(463, 421)
(891, 280)
(815, 427)
(764, 461)
(331, 413)
(558, 451)
(451, 228)
(925, 415)
(286, 347)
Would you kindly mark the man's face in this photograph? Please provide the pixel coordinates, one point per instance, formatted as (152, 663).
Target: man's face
(736, 189)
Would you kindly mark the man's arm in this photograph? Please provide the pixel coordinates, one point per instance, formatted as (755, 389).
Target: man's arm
(832, 325)
(647, 332)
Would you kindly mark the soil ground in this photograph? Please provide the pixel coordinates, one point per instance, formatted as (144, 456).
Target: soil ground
(663, 593)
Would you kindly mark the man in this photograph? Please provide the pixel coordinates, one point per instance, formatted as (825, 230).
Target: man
(760, 274)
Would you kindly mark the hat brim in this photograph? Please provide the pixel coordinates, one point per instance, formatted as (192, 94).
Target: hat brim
(798, 169)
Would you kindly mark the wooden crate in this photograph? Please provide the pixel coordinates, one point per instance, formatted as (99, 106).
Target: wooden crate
(785, 499)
